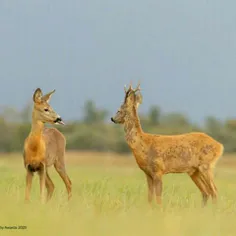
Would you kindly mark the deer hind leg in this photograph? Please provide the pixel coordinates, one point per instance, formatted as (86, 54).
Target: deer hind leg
(150, 188)
(207, 177)
(214, 199)
(29, 177)
(213, 186)
(42, 180)
(197, 179)
(50, 186)
(60, 168)
(158, 188)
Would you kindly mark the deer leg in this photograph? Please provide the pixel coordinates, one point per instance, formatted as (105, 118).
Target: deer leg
(150, 188)
(196, 178)
(50, 186)
(60, 168)
(208, 178)
(214, 198)
(42, 180)
(158, 188)
(29, 177)
(212, 188)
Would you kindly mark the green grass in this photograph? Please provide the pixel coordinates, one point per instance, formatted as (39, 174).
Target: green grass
(111, 200)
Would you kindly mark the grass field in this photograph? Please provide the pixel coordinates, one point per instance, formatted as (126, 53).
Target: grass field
(110, 198)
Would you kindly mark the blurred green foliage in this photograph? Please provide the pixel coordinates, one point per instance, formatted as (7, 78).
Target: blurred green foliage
(95, 132)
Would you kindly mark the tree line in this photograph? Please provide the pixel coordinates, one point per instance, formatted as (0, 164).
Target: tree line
(94, 132)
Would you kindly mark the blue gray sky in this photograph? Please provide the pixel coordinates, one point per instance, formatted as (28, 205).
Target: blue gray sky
(184, 53)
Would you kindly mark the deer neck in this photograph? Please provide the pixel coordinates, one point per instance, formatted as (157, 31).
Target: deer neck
(133, 129)
(37, 127)
(36, 133)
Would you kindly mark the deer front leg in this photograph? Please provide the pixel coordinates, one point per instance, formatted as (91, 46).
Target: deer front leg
(29, 177)
(150, 188)
(158, 189)
(42, 179)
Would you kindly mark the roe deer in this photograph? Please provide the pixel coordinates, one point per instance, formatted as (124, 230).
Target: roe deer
(193, 153)
(44, 147)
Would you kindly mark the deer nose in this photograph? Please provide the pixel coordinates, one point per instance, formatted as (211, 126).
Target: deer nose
(112, 119)
(59, 121)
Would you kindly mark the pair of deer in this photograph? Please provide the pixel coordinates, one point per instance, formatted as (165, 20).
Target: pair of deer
(193, 153)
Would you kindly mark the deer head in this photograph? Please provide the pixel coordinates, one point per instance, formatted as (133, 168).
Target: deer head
(42, 110)
(133, 99)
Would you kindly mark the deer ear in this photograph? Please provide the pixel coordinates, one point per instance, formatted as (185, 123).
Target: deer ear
(138, 99)
(37, 97)
(47, 96)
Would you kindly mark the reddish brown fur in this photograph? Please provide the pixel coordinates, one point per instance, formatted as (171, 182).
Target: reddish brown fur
(44, 147)
(193, 153)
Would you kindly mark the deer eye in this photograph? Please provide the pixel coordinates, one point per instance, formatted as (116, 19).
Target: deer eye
(46, 109)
